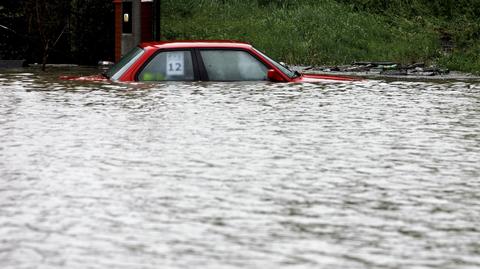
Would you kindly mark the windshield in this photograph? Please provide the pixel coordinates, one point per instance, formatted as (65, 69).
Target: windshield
(125, 62)
(282, 68)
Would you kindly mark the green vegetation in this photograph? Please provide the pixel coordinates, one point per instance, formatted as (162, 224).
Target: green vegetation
(337, 32)
(315, 32)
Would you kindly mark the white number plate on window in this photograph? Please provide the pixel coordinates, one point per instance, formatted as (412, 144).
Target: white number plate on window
(175, 63)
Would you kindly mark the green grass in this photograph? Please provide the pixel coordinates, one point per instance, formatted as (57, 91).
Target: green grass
(318, 32)
(466, 60)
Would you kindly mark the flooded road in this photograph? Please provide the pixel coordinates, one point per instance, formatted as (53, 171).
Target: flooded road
(371, 174)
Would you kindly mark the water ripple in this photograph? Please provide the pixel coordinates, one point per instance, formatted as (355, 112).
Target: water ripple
(370, 174)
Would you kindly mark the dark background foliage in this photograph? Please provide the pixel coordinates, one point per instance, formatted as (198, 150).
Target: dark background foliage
(12, 42)
(76, 31)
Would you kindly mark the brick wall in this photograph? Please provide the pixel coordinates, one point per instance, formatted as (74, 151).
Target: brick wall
(146, 21)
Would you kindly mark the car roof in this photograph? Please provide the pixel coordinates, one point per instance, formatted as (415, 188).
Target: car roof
(196, 44)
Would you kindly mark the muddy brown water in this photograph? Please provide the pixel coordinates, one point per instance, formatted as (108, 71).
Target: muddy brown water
(370, 174)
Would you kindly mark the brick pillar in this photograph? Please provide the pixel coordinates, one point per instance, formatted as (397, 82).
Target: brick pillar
(118, 29)
(146, 15)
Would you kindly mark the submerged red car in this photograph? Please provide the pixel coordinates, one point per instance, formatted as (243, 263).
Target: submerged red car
(205, 61)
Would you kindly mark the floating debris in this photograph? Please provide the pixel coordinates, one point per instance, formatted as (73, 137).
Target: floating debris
(379, 68)
(392, 69)
(12, 63)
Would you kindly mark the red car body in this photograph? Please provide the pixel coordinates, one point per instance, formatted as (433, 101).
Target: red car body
(133, 65)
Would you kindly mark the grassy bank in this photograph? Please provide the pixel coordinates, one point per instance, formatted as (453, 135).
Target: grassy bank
(331, 32)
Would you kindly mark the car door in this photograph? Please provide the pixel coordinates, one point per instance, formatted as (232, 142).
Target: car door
(169, 65)
(230, 65)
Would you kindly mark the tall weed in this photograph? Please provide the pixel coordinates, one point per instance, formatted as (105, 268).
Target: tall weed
(312, 32)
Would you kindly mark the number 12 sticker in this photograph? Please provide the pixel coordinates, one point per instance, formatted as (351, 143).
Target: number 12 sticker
(175, 63)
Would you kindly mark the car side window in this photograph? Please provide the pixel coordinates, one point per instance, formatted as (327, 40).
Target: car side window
(168, 65)
(232, 65)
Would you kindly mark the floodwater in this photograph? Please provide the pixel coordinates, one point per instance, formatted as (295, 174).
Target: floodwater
(370, 174)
